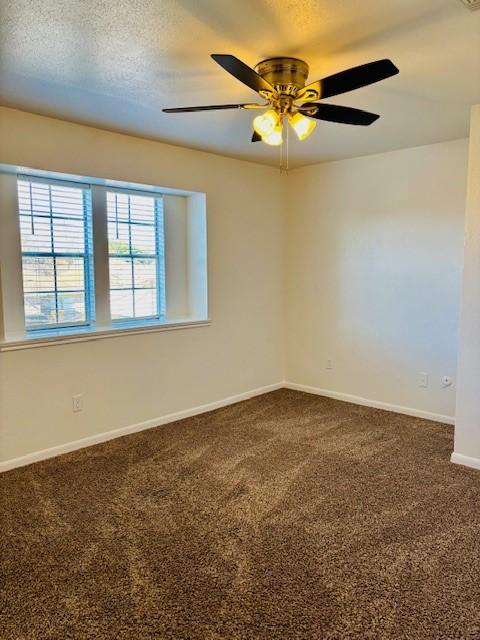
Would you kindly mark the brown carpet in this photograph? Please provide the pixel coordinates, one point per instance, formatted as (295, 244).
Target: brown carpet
(285, 516)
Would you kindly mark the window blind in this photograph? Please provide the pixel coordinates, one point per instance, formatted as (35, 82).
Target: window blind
(136, 256)
(55, 231)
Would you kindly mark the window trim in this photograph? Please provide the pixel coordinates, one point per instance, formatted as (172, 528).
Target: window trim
(13, 334)
(90, 333)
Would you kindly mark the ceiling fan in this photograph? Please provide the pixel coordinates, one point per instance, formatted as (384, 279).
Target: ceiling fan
(281, 83)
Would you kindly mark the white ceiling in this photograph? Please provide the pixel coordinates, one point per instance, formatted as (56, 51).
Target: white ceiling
(116, 63)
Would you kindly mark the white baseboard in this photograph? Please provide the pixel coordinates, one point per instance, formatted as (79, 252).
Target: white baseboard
(466, 461)
(44, 454)
(376, 404)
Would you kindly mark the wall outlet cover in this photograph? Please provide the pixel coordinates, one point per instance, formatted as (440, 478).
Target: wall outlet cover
(77, 403)
(423, 379)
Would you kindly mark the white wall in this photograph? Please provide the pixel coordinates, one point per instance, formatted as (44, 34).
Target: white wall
(126, 380)
(467, 427)
(176, 280)
(186, 260)
(374, 270)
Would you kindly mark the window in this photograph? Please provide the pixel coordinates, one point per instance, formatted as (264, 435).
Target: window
(136, 256)
(82, 256)
(55, 232)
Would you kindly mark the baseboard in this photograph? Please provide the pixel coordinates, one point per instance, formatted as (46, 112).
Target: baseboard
(376, 404)
(44, 454)
(466, 461)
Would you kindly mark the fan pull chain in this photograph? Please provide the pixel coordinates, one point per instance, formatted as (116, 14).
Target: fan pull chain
(280, 150)
(284, 161)
(288, 133)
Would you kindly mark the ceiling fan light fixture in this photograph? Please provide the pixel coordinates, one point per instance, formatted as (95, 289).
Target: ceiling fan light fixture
(265, 123)
(275, 137)
(281, 82)
(302, 125)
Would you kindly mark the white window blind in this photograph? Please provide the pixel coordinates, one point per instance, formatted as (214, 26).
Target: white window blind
(136, 256)
(55, 230)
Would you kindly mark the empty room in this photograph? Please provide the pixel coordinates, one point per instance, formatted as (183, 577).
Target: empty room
(240, 320)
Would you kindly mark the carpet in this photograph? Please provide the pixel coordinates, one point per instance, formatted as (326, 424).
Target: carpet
(285, 516)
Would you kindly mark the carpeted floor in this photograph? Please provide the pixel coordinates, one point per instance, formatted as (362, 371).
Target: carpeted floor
(286, 516)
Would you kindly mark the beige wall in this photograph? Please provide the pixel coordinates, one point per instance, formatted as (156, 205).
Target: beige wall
(126, 380)
(467, 429)
(374, 266)
(363, 259)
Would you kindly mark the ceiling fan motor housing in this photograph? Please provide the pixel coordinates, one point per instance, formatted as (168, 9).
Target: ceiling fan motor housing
(287, 75)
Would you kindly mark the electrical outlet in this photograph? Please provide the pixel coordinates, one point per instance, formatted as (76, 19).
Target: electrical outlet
(423, 379)
(329, 364)
(77, 403)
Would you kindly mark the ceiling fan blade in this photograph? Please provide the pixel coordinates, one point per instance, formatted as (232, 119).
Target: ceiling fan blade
(350, 79)
(336, 113)
(256, 137)
(211, 107)
(243, 72)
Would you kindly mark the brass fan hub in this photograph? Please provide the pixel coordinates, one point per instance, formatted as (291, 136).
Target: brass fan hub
(286, 75)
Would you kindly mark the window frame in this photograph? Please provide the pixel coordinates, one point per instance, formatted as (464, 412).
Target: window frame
(159, 257)
(186, 291)
(87, 256)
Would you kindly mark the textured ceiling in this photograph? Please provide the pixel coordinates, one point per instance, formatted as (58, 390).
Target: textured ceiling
(116, 63)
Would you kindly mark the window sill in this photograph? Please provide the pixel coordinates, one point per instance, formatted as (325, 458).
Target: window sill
(84, 334)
